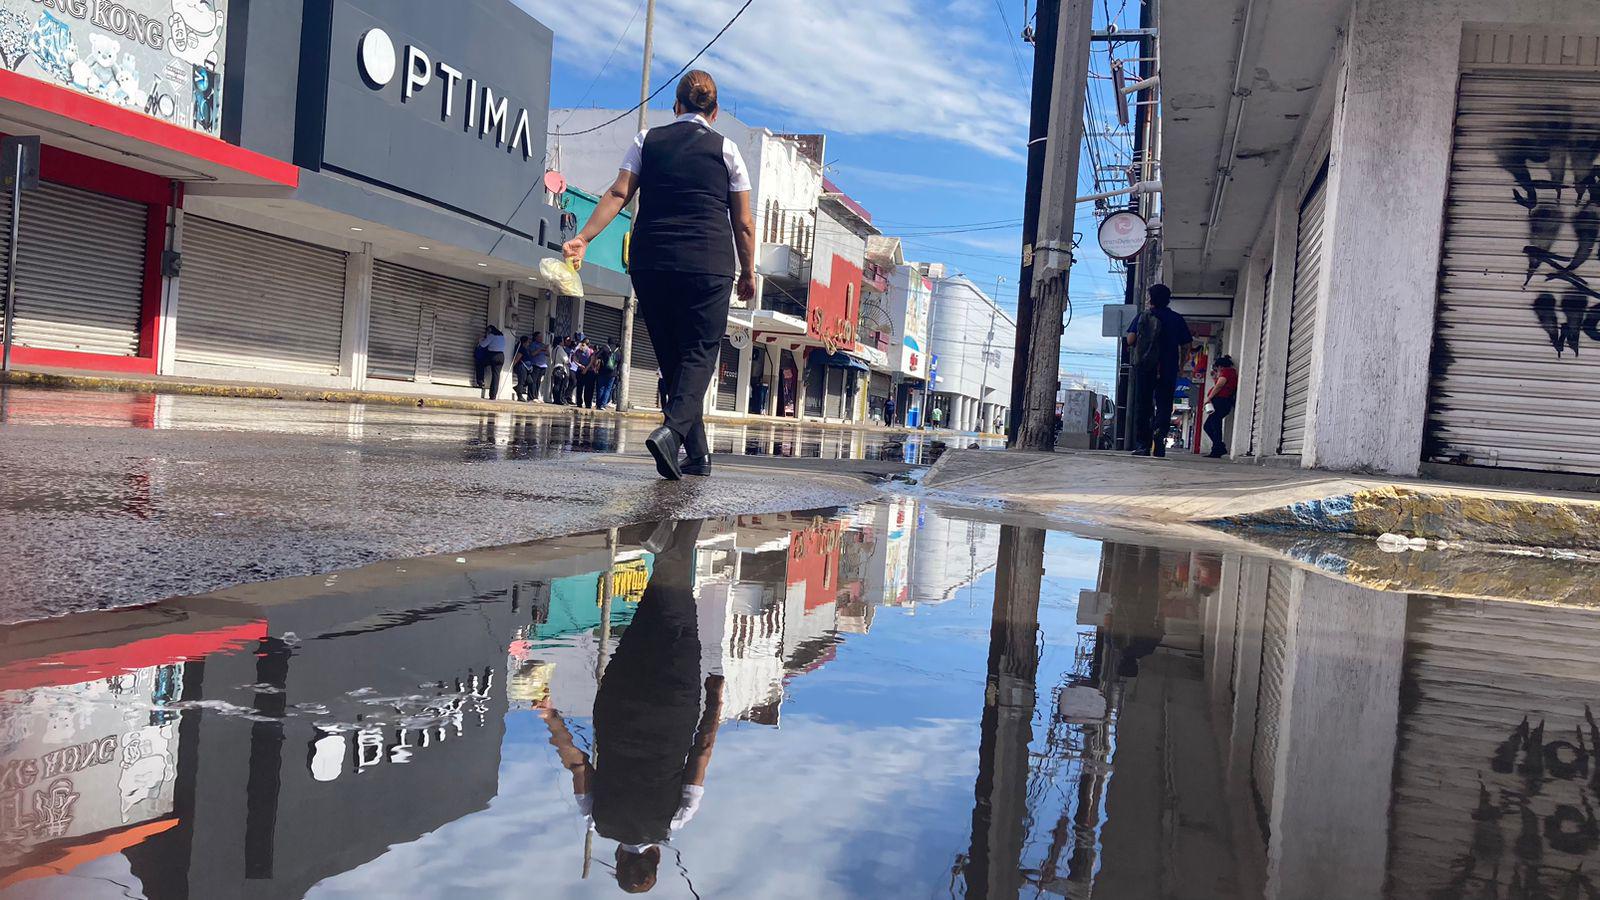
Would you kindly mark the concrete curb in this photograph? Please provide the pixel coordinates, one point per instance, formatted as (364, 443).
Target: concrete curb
(1438, 515)
(130, 384)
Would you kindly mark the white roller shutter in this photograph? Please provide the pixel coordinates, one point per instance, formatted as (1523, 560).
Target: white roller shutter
(642, 375)
(80, 271)
(1269, 698)
(1303, 316)
(1256, 405)
(424, 326)
(1516, 358)
(259, 301)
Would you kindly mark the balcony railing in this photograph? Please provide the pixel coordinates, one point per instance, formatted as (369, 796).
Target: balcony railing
(784, 261)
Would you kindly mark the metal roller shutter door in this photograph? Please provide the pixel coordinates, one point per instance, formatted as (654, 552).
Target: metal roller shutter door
(728, 378)
(1303, 317)
(259, 301)
(461, 313)
(602, 323)
(80, 271)
(1261, 356)
(1516, 358)
(1269, 699)
(642, 376)
(424, 326)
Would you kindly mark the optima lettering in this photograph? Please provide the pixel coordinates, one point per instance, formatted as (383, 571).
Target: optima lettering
(115, 18)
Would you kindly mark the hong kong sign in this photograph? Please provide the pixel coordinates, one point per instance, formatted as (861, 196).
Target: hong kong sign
(160, 57)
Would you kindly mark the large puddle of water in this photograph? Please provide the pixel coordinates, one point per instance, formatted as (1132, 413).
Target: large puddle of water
(885, 701)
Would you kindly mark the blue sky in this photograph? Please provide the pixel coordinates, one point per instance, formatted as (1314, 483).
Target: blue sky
(925, 104)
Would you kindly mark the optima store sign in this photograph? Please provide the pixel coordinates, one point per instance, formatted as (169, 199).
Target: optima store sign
(160, 57)
(459, 96)
(445, 102)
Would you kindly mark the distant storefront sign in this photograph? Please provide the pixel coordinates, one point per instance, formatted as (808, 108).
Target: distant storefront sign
(159, 57)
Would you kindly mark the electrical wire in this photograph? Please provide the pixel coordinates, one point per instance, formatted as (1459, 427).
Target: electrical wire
(558, 134)
(1016, 57)
(603, 66)
(665, 84)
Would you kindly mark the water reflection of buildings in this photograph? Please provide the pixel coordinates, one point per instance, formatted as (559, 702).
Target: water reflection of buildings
(255, 741)
(1235, 727)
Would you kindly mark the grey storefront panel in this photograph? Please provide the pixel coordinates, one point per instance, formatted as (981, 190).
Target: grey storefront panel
(80, 271)
(602, 323)
(1269, 698)
(642, 374)
(259, 301)
(424, 327)
(1256, 407)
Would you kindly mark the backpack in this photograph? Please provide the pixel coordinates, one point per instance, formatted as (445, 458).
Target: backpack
(1147, 342)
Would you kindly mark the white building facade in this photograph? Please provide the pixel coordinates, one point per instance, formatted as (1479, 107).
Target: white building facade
(1406, 234)
(971, 342)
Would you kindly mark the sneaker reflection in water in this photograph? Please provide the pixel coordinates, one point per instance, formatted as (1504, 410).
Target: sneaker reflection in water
(652, 740)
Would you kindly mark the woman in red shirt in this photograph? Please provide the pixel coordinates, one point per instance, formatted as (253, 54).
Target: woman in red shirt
(1223, 390)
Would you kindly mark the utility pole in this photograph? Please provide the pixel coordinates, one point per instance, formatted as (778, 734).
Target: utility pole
(1039, 344)
(989, 354)
(630, 306)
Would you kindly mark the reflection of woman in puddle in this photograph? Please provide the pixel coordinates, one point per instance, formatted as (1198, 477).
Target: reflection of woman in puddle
(1135, 624)
(652, 742)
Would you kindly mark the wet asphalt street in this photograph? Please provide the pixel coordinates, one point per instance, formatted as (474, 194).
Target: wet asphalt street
(117, 499)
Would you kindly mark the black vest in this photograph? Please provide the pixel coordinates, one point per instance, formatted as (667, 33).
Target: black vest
(683, 223)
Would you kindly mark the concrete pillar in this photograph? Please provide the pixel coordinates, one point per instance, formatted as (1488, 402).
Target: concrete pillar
(357, 317)
(1336, 739)
(579, 304)
(167, 327)
(500, 302)
(1392, 133)
(741, 403)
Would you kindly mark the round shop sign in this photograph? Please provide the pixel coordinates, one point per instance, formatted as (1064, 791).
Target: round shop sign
(1123, 235)
(377, 57)
(739, 338)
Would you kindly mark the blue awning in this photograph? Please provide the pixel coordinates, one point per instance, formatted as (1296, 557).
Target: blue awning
(838, 360)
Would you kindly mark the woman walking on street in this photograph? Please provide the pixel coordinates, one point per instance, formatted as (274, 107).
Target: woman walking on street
(692, 232)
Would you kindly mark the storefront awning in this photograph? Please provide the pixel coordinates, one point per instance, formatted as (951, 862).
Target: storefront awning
(95, 128)
(839, 360)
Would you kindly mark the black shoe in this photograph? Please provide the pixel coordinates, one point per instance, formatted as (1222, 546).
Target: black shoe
(1160, 454)
(1217, 454)
(1141, 453)
(664, 445)
(700, 466)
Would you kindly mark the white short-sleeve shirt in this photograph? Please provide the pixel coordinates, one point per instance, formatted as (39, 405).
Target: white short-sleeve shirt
(738, 175)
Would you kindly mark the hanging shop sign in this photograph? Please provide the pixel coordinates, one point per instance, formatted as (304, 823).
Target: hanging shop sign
(1123, 235)
(163, 58)
(442, 101)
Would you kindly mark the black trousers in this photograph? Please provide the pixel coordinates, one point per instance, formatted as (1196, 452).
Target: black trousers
(587, 383)
(1221, 409)
(687, 314)
(491, 364)
(1151, 408)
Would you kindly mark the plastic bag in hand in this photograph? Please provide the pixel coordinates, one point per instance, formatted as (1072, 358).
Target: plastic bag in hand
(562, 276)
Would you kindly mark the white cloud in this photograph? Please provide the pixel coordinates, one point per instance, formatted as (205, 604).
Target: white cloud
(908, 182)
(843, 66)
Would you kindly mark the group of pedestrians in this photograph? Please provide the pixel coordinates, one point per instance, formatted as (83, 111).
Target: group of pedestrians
(581, 372)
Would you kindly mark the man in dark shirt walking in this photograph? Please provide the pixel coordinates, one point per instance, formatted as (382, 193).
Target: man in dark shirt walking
(1157, 337)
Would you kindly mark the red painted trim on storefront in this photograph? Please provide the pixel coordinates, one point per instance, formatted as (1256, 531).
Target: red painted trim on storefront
(80, 666)
(140, 127)
(72, 359)
(75, 855)
(155, 243)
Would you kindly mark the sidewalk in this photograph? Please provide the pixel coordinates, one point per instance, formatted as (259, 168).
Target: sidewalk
(1094, 487)
(85, 380)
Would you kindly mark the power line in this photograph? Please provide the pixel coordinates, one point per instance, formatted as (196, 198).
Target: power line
(1016, 57)
(603, 66)
(692, 60)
